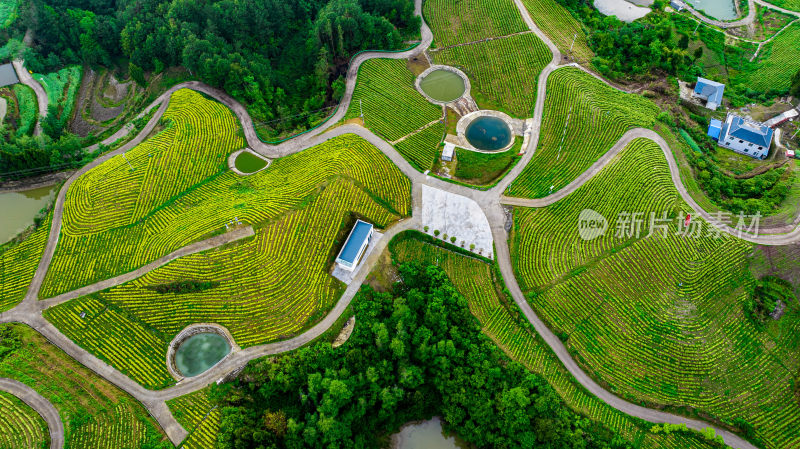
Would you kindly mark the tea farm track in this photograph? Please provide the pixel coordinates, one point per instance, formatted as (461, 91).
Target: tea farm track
(40, 405)
(491, 201)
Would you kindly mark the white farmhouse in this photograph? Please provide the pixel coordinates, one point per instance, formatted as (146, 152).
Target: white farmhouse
(746, 137)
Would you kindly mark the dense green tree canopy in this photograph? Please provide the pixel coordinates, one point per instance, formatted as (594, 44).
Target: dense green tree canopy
(415, 352)
(277, 57)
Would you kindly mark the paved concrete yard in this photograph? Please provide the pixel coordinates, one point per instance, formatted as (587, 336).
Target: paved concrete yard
(457, 216)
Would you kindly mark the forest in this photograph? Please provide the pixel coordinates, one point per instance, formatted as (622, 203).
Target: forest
(416, 352)
(281, 59)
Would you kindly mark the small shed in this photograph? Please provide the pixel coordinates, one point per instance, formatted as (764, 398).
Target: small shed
(447, 153)
(714, 129)
(354, 246)
(7, 75)
(790, 154)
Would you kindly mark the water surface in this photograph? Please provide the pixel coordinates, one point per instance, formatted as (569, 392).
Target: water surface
(718, 9)
(200, 352)
(426, 435)
(247, 162)
(443, 85)
(488, 133)
(17, 210)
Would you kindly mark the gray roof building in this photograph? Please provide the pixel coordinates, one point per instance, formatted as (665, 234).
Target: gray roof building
(7, 75)
(710, 91)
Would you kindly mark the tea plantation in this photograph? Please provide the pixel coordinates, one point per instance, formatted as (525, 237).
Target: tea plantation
(658, 318)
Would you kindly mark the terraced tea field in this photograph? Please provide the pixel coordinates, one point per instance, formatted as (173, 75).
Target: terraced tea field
(264, 289)
(199, 417)
(777, 62)
(385, 92)
(564, 30)
(658, 319)
(20, 425)
(583, 118)
(503, 72)
(96, 415)
(502, 321)
(28, 108)
(114, 206)
(422, 149)
(471, 20)
(18, 264)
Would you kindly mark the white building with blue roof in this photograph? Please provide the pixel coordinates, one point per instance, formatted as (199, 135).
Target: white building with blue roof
(354, 247)
(709, 91)
(746, 137)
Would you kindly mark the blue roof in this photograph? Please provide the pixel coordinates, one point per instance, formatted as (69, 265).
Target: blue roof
(712, 91)
(714, 128)
(355, 240)
(750, 132)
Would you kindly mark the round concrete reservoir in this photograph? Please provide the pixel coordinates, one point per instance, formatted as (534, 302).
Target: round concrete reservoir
(200, 352)
(488, 133)
(443, 85)
(247, 162)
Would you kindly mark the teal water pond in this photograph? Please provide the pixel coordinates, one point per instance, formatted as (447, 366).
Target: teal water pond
(198, 353)
(443, 85)
(488, 133)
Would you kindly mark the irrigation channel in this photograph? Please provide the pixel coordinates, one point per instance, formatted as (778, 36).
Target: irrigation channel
(29, 311)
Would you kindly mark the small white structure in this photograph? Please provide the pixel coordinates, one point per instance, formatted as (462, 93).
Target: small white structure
(677, 5)
(791, 114)
(746, 137)
(447, 153)
(355, 245)
(709, 91)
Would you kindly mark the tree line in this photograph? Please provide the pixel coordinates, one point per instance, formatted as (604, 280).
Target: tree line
(279, 58)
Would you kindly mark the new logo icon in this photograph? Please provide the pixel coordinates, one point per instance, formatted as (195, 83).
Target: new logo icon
(591, 224)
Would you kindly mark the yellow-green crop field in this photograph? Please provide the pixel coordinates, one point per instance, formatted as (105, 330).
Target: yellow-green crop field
(264, 288)
(502, 321)
(583, 118)
(18, 263)
(20, 425)
(658, 318)
(199, 417)
(471, 20)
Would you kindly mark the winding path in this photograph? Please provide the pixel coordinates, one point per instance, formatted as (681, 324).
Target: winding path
(41, 96)
(41, 405)
(29, 310)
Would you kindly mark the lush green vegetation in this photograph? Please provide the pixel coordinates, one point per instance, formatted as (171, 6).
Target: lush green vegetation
(471, 20)
(563, 29)
(503, 72)
(415, 352)
(583, 118)
(422, 148)
(8, 12)
(777, 62)
(265, 288)
(793, 5)
(384, 92)
(769, 295)
(18, 263)
(61, 88)
(199, 416)
(20, 425)
(484, 168)
(763, 193)
(28, 109)
(659, 319)
(96, 415)
(279, 58)
(502, 321)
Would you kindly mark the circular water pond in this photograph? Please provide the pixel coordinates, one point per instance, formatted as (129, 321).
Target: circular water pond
(247, 162)
(200, 352)
(488, 133)
(443, 85)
